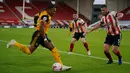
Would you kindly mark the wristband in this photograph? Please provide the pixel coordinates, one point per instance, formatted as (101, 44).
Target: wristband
(45, 39)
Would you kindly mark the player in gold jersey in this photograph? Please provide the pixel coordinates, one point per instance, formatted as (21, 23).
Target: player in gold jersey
(70, 27)
(39, 37)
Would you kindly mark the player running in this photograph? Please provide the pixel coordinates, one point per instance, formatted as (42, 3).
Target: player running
(40, 37)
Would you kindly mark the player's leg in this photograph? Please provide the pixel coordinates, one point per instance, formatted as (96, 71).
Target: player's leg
(55, 54)
(24, 48)
(48, 44)
(107, 53)
(85, 45)
(54, 51)
(115, 49)
(107, 44)
(72, 45)
(74, 39)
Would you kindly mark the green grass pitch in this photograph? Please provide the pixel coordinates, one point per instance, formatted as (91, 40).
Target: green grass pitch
(12, 60)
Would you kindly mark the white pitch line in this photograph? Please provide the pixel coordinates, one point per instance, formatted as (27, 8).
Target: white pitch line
(100, 58)
(3, 41)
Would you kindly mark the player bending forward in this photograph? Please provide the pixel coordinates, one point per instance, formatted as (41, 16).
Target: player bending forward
(110, 20)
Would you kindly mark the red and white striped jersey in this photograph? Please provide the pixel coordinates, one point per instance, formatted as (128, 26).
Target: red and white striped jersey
(111, 22)
(79, 25)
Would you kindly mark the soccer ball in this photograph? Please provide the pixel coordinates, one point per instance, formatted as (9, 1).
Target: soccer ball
(57, 67)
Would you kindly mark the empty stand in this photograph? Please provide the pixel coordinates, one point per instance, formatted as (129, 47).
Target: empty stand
(13, 11)
(40, 4)
(17, 5)
(6, 16)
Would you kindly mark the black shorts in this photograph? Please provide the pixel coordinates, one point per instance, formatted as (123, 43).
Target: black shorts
(113, 40)
(70, 29)
(38, 40)
(78, 35)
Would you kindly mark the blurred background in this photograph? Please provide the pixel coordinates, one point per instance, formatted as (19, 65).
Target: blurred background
(20, 13)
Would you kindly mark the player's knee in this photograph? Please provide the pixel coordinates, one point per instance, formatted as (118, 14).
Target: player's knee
(50, 47)
(73, 41)
(83, 41)
(106, 47)
(106, 50)
(114, 50)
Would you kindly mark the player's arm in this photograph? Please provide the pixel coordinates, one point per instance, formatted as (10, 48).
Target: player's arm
(98, 25)
(82, 22)
(117, 15)
(42, 32)
(43, 20)
(85, 29)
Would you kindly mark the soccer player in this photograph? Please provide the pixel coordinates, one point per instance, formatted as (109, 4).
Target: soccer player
(40, 37)
(79, 29)
(70, 27)
(110, 20)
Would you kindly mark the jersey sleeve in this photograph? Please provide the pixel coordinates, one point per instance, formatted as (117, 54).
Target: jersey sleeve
(101, 22)
(114, 13)
(81, 21)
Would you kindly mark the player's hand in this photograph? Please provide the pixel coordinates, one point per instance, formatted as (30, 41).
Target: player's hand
(84, 34)
(87, 32)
